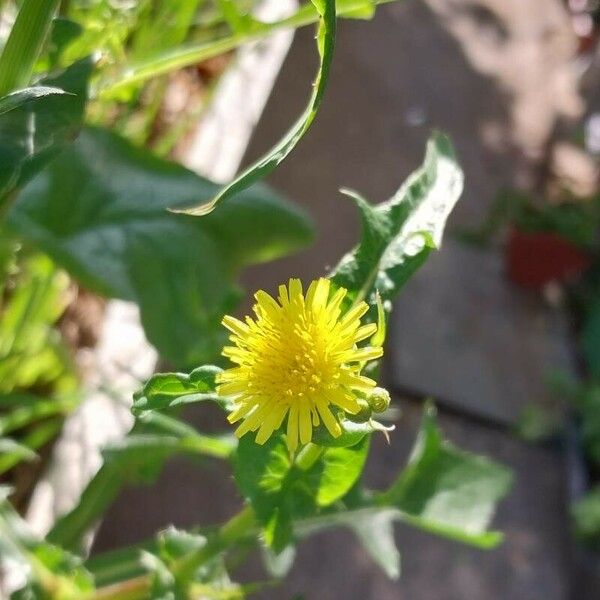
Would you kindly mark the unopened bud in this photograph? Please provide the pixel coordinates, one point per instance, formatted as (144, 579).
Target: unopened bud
(364, 414)
(379, 400)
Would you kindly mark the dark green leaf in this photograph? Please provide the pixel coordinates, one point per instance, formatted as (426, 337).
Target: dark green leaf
(63, 33)
(399, 234)
(448, 491)
(280, 491)
(266, 164)
(100, 210)
(36, 123)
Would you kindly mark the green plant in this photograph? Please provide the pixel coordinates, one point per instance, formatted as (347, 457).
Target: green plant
(96, 203)
(290, 495)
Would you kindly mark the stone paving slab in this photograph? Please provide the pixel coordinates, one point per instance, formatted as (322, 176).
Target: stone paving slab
(462, 333)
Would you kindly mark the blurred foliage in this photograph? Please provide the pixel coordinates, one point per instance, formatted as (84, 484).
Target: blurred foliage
(576, 221)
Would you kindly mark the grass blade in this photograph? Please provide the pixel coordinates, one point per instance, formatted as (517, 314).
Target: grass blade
(24, 43)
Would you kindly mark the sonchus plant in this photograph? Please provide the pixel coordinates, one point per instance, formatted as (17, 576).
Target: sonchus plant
(302, 384)
(302, 392)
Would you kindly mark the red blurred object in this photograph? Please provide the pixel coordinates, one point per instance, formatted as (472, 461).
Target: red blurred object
(537, 258)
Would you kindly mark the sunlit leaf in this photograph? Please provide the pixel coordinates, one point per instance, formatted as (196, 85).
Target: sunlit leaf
(448, 491)
(399, 234)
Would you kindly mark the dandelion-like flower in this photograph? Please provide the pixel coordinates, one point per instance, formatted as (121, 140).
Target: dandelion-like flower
(298, 358)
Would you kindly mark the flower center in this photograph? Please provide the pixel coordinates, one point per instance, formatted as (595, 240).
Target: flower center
(293, 364)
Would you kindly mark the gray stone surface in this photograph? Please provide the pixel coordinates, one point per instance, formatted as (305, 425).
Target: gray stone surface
(463, 334)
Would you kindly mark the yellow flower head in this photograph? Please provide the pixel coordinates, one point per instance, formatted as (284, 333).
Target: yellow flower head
(297, 358)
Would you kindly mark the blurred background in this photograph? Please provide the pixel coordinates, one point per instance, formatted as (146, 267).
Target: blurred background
(501, 327)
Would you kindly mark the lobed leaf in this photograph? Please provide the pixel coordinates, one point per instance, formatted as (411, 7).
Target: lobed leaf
(448, 491)
(281, 491)
(398, 235)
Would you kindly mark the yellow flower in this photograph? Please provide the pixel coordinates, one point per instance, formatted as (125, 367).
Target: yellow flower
(297, 358)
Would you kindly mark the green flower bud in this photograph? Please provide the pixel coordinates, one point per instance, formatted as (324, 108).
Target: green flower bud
(364, 414)
(379, 400)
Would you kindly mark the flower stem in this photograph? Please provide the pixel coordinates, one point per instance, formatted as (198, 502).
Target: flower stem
(308, 456)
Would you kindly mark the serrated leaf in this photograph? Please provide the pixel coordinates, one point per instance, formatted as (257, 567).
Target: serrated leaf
(399, 234)
(325, 46)
(100, 211)
(448, 491)
(36, 123)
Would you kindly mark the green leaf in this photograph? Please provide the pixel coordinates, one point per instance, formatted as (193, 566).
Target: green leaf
(266, 164)
(375, 532)
(16, 450)
(113, 84)
(399, 234)
(100, 211)
(64, 32)
(448, 491)
(281, 491)
(166, 27)
(168, 390)
(31, 351)
(36, 123)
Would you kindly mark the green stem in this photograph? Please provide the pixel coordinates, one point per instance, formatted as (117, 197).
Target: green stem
(308, 456)
(24, 43)
(191, 55)
(236, 529)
